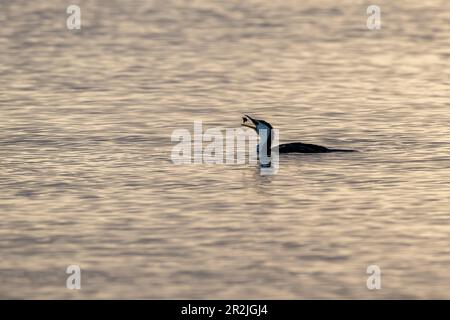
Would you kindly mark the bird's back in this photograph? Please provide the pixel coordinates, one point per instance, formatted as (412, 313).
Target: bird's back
(298, 147)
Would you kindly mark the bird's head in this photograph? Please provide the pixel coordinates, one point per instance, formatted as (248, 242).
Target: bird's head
(256, 124)
(264, 131)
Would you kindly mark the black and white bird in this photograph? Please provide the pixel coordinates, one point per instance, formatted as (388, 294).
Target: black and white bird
(265, 133)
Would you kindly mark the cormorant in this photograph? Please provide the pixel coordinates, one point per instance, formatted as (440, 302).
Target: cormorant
(264, 130)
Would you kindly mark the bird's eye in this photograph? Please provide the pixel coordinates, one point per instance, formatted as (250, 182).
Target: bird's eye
(244, 119)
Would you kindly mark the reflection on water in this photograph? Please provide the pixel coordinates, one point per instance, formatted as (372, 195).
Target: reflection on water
(85, 169)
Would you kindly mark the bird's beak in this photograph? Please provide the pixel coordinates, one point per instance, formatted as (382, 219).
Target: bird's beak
(246, 123)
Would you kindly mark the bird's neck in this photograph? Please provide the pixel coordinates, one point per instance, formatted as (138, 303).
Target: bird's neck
(264, 146)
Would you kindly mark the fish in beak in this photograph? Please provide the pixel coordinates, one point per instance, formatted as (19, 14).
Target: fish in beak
(250, 124)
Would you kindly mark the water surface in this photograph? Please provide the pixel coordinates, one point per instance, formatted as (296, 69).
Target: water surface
(86, 176)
